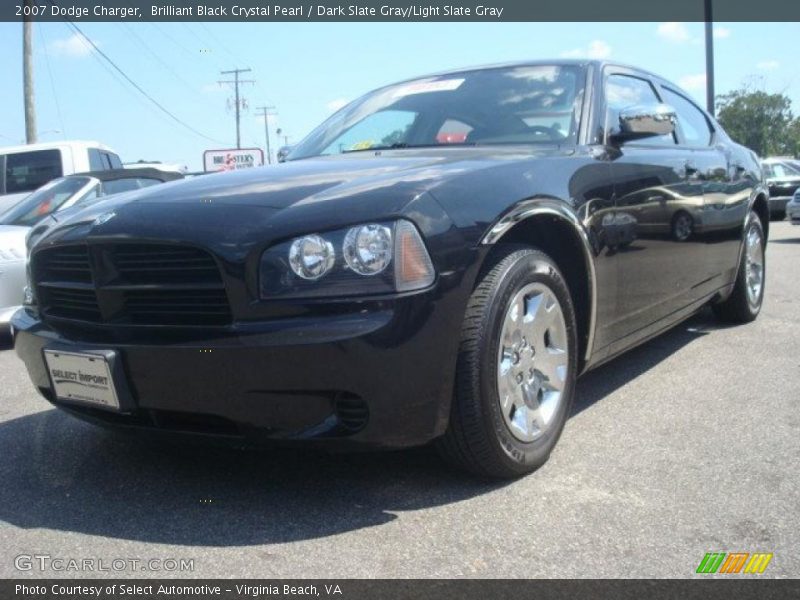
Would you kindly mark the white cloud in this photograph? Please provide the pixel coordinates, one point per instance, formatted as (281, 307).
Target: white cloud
(335, 105)
(768, 65)
(597, 49)
(674, 32)
(721, 32)
(693, 83)
(74, 46)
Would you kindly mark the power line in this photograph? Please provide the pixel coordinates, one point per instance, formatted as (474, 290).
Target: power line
(138, 87)
(52, 82)
(156, 57)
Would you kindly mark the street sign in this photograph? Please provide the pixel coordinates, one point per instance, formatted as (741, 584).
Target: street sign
(233, 159)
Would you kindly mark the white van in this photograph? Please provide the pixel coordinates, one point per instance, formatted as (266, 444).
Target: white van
(26, 168)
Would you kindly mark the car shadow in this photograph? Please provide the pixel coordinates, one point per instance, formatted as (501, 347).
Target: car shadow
(604, 380)
(62, 474)
(59, 473)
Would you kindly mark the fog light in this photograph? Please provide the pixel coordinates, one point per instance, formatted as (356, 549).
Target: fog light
(311, 256)
(368, 248)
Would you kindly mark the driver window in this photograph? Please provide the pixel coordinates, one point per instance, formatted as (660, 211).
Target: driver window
(625, 91)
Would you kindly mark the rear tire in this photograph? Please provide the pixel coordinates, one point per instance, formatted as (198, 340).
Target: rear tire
(518, 343)
(744, 303)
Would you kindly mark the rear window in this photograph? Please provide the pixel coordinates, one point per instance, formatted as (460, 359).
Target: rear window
(26, 171)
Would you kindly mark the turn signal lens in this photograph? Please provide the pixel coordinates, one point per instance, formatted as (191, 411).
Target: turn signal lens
(311, 256)
(413, 268)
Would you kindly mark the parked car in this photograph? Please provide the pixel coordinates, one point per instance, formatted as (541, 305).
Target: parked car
(793, 208)
(382, 289)
(783, 179)
(24, 169)
(41, 210)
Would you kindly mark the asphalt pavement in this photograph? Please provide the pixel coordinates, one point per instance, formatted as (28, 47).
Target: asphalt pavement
(686, 445)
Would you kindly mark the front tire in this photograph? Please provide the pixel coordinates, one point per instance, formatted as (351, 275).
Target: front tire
(516, 367)
(744, 303)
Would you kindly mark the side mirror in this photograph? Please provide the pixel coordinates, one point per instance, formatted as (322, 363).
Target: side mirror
(649, 120)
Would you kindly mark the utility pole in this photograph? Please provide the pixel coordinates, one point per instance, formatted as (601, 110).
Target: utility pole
(236, 81)
(27, 77)
(709, 18)
(266, 114)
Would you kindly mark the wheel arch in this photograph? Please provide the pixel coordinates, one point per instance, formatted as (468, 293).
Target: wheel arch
(551, 225)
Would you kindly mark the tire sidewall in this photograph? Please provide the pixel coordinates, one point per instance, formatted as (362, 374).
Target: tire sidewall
(529, 267)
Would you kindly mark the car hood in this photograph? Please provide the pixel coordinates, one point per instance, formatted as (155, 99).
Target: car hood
(12, 242)
(277, 200)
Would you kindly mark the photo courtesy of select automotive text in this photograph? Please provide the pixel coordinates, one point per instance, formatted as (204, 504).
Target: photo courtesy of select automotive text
(399, 300)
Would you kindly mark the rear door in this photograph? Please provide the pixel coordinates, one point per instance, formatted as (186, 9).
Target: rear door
(659, 262)
(710, 165)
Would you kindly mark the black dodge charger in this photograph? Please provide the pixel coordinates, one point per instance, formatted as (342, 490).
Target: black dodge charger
(438, 261)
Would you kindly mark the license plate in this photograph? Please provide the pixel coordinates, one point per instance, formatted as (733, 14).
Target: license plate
(84, 378)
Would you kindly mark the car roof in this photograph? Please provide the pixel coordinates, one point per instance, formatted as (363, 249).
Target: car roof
(82, 144)
(578, 62)
(145, 172)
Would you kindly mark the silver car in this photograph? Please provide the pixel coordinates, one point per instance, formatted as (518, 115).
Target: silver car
(49, 200)
(793, 208)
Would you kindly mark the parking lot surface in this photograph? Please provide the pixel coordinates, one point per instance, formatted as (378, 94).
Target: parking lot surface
(686, 445)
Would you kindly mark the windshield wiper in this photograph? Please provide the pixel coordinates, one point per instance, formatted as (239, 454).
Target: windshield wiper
(404, 145)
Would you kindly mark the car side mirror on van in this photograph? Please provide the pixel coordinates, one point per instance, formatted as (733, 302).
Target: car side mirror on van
(637, 122)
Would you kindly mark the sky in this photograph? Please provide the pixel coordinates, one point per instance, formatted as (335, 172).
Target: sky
(308, 70)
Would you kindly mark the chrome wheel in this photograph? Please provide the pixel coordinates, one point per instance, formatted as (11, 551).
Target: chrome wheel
(754, 265)
(532, 362)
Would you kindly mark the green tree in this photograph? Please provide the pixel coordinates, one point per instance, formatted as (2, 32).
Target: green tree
(763, 122)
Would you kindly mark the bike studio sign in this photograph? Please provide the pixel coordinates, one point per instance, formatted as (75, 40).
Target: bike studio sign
(232, 160)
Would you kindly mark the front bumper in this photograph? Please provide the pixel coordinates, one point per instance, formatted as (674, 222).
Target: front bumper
(379, 374)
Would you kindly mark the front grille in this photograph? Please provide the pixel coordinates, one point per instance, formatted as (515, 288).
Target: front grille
(69, 264)
(66, 303)
(142, 263)
(131, 283)
(185, 307)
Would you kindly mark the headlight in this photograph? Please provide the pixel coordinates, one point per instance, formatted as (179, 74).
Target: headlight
(373, 258)
(311, 256)
(28, 297)
(368, 248)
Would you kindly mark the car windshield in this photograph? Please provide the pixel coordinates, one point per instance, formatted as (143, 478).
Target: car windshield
(511, 105)
(44, 201)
